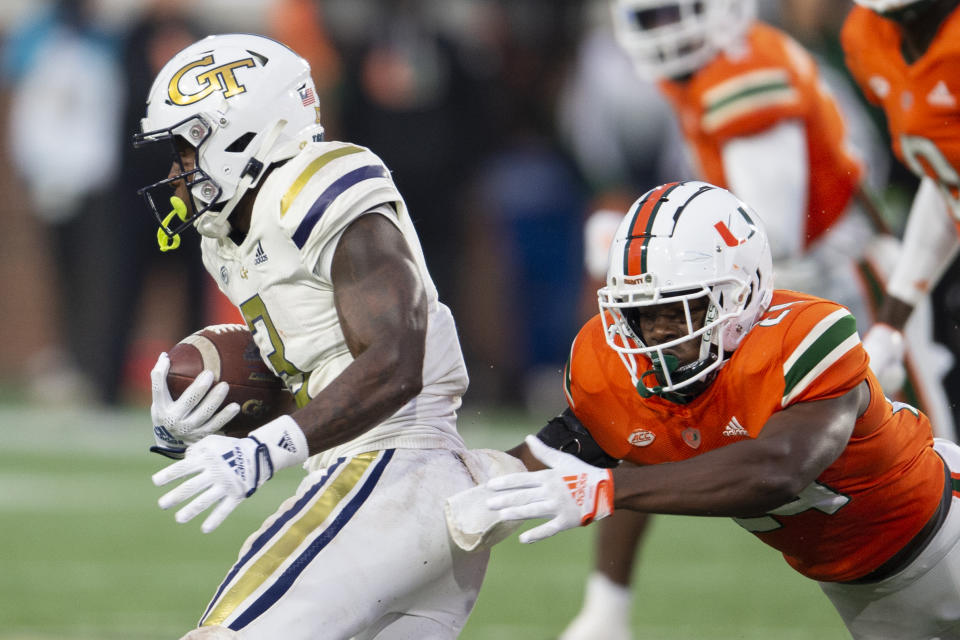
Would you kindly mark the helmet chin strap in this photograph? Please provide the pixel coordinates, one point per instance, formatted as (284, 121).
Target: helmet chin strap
(216, 224)
(669, 370)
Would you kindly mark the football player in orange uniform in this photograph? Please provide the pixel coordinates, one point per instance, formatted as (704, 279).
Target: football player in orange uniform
(905, 56)
(759, 121)
(756, 116)
(725, 397)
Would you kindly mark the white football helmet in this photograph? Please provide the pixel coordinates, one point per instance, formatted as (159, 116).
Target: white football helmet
(673, 38)
(885, 6)
(243, 102)
(680, 242)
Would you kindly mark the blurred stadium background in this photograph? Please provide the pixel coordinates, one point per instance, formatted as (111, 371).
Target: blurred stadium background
(486, 110)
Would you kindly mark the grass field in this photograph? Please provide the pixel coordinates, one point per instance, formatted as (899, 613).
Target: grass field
(86, 553)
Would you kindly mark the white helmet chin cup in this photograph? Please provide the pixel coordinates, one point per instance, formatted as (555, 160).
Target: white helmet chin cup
(213, 224)
(670, 39)
(680, 242)
(242, 101)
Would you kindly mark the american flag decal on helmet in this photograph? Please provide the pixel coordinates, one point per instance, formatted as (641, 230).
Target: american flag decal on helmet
(307, 96)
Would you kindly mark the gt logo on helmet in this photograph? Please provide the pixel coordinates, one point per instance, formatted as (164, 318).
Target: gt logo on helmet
(222, 78)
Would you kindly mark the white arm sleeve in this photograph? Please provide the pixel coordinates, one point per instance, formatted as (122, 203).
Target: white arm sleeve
(929, 245)
(770, 172)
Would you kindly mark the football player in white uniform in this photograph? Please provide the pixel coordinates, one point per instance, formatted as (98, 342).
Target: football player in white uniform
(313, 243)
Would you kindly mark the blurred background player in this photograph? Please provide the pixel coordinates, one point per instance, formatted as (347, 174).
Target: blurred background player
(62, 70)
(905, 57)
(759, 120)
(130, 260)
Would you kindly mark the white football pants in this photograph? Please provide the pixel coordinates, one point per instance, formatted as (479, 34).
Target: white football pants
(361, 550)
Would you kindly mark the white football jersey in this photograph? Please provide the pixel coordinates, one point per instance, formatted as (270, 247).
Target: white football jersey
(279, 278)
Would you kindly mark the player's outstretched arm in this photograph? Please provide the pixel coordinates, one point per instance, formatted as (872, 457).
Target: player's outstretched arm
(743, 479)
(749, 477)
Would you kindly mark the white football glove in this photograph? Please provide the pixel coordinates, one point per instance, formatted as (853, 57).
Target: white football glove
(571, 493)
(179, 423)
(230, 470)
(886, 347)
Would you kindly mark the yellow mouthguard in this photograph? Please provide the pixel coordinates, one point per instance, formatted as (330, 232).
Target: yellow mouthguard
(165, 240)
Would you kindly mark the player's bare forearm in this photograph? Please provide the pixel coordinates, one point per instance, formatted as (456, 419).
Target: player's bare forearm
(894, 312)
(383, 311)
(868, 202)
(749, 477)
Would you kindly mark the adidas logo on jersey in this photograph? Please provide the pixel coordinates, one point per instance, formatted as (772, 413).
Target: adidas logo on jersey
(734, 428)
(940, 96)
(261, 256)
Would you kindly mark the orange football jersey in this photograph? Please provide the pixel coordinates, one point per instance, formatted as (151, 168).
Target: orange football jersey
(773, 79)
(921, 100)
(860, 511)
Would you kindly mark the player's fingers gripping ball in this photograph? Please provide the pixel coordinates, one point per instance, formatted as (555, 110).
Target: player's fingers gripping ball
(570, 493)
(213, 381)
(230, 352)
(193, 415)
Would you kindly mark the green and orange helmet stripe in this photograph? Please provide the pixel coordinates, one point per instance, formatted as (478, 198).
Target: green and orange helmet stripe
(641, 225)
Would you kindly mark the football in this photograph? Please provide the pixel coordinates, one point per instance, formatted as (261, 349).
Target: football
(230, 352)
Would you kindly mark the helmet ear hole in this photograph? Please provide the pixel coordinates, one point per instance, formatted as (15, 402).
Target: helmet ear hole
(240, 144)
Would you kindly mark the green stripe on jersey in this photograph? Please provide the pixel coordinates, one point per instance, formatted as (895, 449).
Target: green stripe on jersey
(745, 93)
(826, 343)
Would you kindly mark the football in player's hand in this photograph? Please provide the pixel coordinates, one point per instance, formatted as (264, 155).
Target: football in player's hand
(230, 352)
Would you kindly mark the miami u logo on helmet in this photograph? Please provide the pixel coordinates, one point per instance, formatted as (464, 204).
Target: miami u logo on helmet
(222, 78)
(728, 238)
